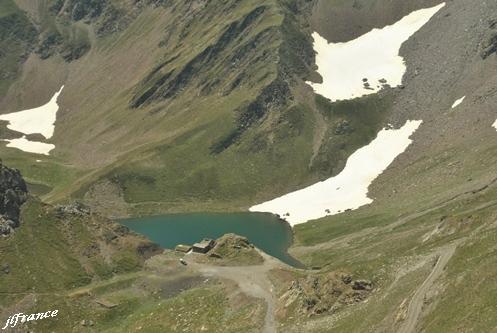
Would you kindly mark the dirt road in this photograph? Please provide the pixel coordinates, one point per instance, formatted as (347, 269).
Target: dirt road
(416, 304)
(252, 280)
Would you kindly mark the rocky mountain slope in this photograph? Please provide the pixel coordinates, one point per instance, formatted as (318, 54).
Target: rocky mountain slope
(141, 132)
(48, 250)
(13, 193)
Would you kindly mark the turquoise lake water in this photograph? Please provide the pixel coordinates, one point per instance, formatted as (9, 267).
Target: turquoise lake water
(265, 231)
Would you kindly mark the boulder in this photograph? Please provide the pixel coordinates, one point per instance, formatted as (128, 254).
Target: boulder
(13, 193)
(362, 285)
(343, 127)
(5, 268)
(73, 209)
(6, 226)
(321, 293)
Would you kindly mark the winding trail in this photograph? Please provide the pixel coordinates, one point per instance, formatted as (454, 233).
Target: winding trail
(445, 253)
(252, 281)
(368, 232)
(416, 304)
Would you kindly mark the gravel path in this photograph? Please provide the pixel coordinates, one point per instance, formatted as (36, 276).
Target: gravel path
(416, 304)
(252, 281)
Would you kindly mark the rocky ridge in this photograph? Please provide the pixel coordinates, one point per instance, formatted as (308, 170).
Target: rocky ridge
(13, 193)
(317, 294)
(231, 249)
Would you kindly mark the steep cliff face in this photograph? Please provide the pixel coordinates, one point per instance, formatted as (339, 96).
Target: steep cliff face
(13, 193)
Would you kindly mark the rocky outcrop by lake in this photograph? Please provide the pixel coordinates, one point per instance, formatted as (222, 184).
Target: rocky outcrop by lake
(13, 193)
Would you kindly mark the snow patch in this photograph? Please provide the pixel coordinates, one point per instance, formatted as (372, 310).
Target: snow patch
(495, 125)
(364, 65)
(38, 120)
(349, 189)
(459, 101)
(30, 146)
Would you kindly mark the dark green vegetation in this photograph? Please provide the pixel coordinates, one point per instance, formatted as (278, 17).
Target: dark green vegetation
(156, 148)
(50, 28)
(234, 250)
(256, 123)
(64, 247)
(353, 124)
(45, 176)
(265, 231)
(399, 250)
(201, 106)
(92, 271)
(17, 34)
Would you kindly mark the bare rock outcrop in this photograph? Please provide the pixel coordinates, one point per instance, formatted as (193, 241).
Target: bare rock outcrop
(13, 193)
(324, 293)
(231, 249)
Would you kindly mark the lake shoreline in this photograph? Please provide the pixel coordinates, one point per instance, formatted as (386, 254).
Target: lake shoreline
(268, 232)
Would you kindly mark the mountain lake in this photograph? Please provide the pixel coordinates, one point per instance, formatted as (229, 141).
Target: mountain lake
(266, 231)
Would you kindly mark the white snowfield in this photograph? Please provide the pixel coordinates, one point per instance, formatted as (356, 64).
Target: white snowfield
(349, 189)
(349, 70)
(30, 146)
(38, 120)
(458, 102)
(495, 125)
(373, 56)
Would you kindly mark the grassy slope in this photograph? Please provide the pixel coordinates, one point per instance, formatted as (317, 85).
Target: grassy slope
(184, 169)
(185, 175)
(391, 243)
(16, 37)
(50, 254)
(29, 271)
(53, 265)
(49, 174)
(69, 262)
(161, 154)
(192, 311)
(182, 173)
(200, 309)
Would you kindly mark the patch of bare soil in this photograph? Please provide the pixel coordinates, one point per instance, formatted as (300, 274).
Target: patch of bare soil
(252, 281)
(107, 198)
(347, 20)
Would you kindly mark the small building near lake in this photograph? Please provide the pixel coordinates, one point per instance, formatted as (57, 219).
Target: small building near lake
(183, 248)
(204, 246)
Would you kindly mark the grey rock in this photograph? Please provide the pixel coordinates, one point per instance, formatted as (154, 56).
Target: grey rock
(343, 127)
(362, 285)
(5, 268)
(13, 193)
(73, 209)
(346, 278)
(86, 322)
